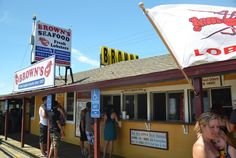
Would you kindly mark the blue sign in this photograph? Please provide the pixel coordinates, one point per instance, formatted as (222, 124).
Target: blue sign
(95, 114)
(49, 102)
(95, 101)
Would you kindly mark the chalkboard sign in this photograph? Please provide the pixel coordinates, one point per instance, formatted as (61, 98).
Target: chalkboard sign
(152, 139)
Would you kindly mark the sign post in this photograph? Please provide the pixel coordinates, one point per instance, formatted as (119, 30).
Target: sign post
(49, 104)
(6, 118)
(95, 113)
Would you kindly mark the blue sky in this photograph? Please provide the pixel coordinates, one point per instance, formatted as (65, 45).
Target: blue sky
(118, 24)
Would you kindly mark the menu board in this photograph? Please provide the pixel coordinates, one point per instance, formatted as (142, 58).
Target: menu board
(153, 139)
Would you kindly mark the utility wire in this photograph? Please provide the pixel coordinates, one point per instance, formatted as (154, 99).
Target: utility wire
(124, 39)
(23, 59)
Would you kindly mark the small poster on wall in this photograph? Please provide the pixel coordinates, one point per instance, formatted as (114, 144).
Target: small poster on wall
(152, 139)
(79, 106)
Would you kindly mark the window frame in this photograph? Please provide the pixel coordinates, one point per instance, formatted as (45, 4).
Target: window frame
(66, 105)
(135, 109)
(167, 105)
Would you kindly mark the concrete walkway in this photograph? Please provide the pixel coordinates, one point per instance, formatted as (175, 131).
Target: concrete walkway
(31, 147)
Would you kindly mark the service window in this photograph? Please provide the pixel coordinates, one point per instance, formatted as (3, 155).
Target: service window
(105, 100)
(168, 106)
(159, 106)
(135, 106)
(70, 101)
(222, 103)
(142, 106)
(129, 106)
(206, 104)
(111, 99)
(213, 100)
(176, 106)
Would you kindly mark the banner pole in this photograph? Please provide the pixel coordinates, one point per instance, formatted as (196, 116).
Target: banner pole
(141, 5)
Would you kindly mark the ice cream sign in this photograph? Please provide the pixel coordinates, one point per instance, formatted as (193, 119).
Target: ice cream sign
(37, 76)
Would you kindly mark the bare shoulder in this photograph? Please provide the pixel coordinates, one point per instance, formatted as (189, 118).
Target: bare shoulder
(40, 108)
(198, 150)
(232, 151)
(198, 146)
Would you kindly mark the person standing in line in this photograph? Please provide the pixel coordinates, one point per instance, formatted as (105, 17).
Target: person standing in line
(43, 123)
(89, 128)
(231, 123)
(55, 129)
(110, 134)
(225, 149)
(83, 136)
(207, 128)
(62, 114)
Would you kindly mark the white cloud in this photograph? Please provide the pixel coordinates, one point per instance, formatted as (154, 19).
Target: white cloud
(84, 59)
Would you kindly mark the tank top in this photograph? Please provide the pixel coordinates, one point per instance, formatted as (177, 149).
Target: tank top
(42, 120)
(227, 152)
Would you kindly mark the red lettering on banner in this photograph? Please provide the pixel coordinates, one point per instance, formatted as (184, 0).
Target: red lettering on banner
(41, 71)
(51, 28)
(197, 52)
(230, 49)
(34, 72)
(48, 69)
(216, 51)
(45, 27)
(16, 79)
(54, 29)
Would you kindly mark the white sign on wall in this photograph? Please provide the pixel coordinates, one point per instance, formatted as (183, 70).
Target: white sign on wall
(153, 139)
(80, 105)
(212, 81)
(37, 76)
(52, 40)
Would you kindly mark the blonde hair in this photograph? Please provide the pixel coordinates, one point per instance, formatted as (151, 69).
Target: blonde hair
(204, 120)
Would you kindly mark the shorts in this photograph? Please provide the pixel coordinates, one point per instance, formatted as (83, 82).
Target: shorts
(43, 134)
(83, 136)
(90, 137)
(62, 121)
(55, 139)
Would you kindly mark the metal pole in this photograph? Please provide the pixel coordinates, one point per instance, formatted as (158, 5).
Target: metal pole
(48, 140)
(23, 124)
(96, 138)
(6, 122)
(32, 38)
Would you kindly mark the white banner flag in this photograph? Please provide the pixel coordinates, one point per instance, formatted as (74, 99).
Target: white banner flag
(197, 32)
